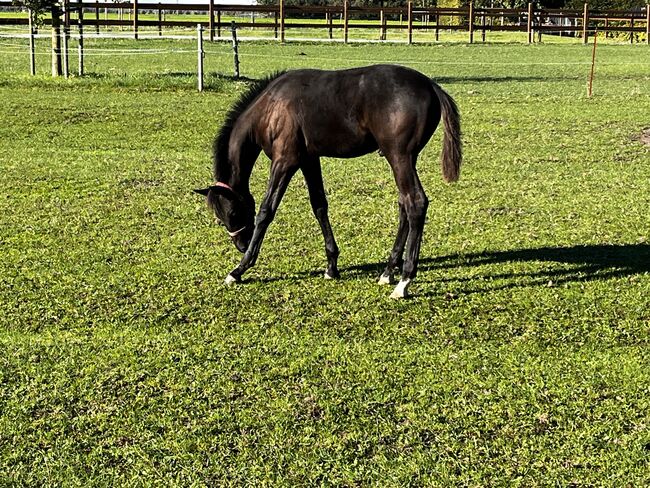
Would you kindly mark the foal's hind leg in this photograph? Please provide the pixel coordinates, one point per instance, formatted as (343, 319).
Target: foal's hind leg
(314, 178)
(395, 260)
(415, 204)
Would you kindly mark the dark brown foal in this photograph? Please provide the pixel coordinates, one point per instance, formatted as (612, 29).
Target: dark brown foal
(298, 116)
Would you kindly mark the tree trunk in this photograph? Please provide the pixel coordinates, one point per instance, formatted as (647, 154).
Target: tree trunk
(56, 41)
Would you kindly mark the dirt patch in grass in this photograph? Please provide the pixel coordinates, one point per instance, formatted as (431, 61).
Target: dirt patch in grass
(645, 136)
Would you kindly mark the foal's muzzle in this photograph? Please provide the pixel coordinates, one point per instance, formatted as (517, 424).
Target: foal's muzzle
(241, 238)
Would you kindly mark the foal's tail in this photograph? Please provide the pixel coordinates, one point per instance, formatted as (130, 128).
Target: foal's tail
(452, 148)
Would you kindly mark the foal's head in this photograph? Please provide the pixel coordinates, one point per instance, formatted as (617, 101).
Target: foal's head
(235, 211)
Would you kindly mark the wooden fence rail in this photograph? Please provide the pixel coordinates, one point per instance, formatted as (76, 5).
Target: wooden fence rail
(281, 18)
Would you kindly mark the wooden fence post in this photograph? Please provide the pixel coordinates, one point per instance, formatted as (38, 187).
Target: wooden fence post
(345, 21)
(483, 23)
(66, 52)
(329, 25)
(529, 26)
(96, 17)
(487, 16)
(66, 11)
(593, 64)
(471, 22)
(275, 24)
(410, 22)
(160, 27)
(282, 21)
(56, 41)
(66, 38)
(585, 21)
(80, 45)
(211, 20)
(647, 24)
(437, 26)
(135, 19)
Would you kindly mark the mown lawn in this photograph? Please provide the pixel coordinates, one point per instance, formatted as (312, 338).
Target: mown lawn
(522, 358)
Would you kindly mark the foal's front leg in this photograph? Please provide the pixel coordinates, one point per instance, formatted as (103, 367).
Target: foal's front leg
(281, 175)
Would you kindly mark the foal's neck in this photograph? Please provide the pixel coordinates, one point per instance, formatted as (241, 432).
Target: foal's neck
(236, 168)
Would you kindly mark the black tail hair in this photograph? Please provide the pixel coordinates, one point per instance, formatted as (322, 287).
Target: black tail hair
(452, 147)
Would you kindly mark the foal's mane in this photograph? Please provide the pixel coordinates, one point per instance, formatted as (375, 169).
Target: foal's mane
(222, 140)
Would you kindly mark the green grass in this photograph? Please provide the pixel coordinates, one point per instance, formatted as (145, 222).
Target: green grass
(522, 358)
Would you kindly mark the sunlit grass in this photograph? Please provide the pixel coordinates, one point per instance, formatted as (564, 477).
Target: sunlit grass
(521, 359)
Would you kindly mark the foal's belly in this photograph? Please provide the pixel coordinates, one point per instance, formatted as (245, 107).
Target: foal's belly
(339, 144)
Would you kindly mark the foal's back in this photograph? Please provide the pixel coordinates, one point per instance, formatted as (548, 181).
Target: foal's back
(350, 112)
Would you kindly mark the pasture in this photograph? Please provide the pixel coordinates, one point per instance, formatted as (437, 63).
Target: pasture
(521, 359)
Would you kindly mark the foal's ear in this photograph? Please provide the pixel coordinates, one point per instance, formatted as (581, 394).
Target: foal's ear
(223, 191)
(202, 191)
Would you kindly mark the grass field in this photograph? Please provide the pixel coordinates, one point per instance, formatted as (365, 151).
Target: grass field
(522, 358)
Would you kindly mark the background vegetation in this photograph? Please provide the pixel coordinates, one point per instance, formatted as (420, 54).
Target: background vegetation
(521, 360)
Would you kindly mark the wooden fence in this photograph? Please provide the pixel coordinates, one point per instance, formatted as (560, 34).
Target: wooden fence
(280, 19)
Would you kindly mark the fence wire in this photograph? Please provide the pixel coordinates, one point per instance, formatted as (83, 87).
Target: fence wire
(7, 47)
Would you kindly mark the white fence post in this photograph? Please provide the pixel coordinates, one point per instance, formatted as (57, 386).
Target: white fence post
(199, 34)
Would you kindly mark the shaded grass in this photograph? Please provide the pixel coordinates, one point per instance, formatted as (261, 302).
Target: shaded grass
(522, 359)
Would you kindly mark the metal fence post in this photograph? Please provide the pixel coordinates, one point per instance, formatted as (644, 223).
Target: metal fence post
(235, 48)
(32, 57)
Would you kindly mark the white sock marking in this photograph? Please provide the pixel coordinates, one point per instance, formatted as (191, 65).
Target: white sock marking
(401, 290)
(385, 279)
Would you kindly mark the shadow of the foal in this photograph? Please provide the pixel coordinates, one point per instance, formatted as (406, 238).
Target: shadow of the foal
(586, 263)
